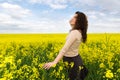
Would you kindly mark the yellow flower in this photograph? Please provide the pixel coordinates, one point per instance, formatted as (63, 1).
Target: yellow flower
(63, 76)
(72, 63)
(111, 65)
(118, 70)
(60, 68)
(41, 65)
(102, 65)
(66, 63)
(54, 71)
(3, 78)
(109, 74)
(80, 67)
(2, 65)
(9, 59)
(57, 73)
(19, 61)
(54, 65)
(34, 69)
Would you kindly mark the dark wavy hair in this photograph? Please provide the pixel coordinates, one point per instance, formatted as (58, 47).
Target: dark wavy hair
(81, 24)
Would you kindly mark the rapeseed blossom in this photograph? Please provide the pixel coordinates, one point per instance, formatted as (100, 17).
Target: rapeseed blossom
(109, 74)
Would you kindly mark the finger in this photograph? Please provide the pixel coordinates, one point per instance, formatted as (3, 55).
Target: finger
(49, 66)
(46, 66)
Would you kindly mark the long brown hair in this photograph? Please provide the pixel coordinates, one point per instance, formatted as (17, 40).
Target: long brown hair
(81, 24)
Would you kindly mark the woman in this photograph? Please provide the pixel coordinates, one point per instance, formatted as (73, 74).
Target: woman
(69, 52)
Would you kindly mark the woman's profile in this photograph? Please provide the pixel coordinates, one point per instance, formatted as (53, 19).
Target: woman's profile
(69, 52)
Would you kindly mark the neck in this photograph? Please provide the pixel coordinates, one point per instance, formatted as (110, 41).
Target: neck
(72, 26)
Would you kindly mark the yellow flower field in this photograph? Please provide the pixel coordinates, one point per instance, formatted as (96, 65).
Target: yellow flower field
(23, 55)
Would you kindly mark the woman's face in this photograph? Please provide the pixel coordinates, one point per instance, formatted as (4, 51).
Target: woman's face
(73, 20)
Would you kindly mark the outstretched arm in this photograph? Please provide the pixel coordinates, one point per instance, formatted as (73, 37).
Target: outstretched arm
(69, 42)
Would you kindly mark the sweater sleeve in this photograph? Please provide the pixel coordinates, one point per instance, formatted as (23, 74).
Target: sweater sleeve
(71, 38)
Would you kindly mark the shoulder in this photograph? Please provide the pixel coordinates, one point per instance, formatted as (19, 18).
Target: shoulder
(73, 31)
(77, 32)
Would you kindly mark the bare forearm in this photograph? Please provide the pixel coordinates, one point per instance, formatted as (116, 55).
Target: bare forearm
(58, 58)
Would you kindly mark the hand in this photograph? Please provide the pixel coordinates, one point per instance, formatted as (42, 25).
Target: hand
(48, 65)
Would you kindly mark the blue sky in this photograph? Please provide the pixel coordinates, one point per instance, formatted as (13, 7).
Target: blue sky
(52, 16)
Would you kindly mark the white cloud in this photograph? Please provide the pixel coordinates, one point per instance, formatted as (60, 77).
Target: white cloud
(55, 4)
(102, 17)
(4, 17)
(104, 25)
(11, 16)
(36, 27)
(45, 25)
(14, 10)
(110, 5)
(104, 5)
(8, 23)
(58, 6)
(11, 25)
(15, 19)
(10, 6)
(96, 13)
